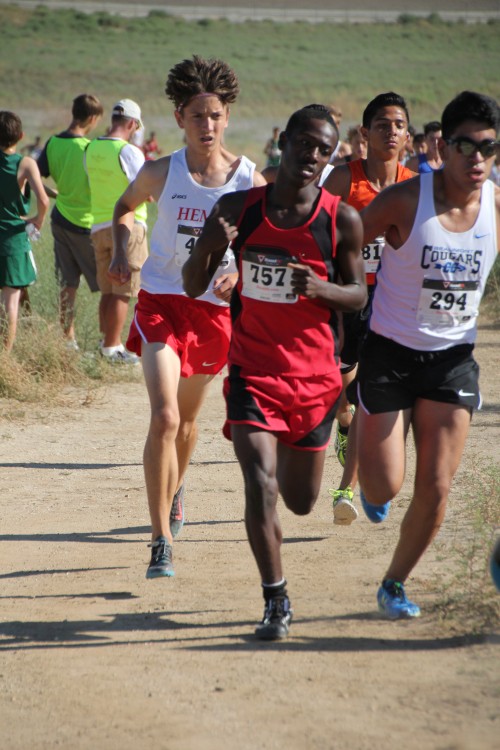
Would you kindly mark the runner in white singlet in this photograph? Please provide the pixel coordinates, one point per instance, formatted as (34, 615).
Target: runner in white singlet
(416, 364)
(183, 342)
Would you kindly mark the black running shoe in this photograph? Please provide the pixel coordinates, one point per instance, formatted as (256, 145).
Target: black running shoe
(276, 620)
(161, 559)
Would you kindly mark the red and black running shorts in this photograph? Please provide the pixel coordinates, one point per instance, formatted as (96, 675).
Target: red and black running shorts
(198, 331)
(298, 411)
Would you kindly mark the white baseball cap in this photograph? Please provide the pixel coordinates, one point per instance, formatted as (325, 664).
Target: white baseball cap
(128, 108)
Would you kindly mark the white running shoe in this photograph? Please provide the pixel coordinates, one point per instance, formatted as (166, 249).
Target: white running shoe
(120, 355)
(344, 512)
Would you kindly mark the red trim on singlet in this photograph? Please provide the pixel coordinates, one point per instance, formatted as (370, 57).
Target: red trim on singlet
(298, 339)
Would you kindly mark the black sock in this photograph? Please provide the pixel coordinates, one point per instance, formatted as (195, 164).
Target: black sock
(344, 430)
(274, 589)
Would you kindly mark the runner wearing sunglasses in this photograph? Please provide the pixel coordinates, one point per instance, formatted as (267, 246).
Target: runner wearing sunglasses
(468, 146)
(416, 365)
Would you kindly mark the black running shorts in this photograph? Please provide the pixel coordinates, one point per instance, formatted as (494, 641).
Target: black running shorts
(392, 377)
(355, 328)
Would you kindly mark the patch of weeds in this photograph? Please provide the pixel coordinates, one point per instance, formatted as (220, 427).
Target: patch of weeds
(42, 369)
(434, 18)
(468, 599)
(492, 289)
(10, 412)
(407, 18)
(158, 13)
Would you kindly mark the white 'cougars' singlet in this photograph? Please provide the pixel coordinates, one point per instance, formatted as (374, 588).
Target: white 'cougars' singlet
(428, 291)
(183, 208)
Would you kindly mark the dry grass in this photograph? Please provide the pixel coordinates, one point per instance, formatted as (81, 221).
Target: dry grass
(466, 599)
(41, 369)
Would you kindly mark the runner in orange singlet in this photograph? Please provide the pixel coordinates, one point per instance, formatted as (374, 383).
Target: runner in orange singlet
(385, 126)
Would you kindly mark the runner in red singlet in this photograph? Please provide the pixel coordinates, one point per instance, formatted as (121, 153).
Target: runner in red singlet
(293, 243)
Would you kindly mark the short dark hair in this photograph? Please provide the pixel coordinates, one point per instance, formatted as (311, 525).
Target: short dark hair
(11, 129)
(198, 76)
(310, 112)
(85, 106)
(389, 99)
(470, 105)
(432, 127)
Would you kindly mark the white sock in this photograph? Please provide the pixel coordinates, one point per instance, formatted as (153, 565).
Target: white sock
(109, 350)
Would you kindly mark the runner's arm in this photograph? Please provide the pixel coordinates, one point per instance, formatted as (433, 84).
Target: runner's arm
(497, 206)
(43, 167)
(352, 294)
(150, 181)
(258, 179)
(392, 213)
(219, 230)
(338, 182)
(28, 171)
(225, 284)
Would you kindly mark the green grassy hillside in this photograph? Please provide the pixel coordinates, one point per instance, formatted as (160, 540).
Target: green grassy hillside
(48, 57)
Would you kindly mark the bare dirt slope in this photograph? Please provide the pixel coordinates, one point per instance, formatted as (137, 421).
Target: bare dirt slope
(94, 657)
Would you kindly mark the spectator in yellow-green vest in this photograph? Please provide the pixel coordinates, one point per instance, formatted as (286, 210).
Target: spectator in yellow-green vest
(112, 162)
(71, 218)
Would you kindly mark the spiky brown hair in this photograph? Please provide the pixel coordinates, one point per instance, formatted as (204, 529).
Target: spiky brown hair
(198, 76)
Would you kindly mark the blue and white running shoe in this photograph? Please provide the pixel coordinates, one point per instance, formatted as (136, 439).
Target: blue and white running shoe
(376, 513)
(392, 601)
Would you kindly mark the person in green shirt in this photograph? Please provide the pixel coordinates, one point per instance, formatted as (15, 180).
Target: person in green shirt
(71, 218)
(18, 175)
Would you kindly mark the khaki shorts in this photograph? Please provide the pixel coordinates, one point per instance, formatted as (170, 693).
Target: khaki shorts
(137, 252)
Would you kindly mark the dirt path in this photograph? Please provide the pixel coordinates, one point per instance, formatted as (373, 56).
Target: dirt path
(94, 657)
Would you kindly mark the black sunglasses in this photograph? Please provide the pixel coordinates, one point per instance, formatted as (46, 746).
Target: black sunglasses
(468, 146)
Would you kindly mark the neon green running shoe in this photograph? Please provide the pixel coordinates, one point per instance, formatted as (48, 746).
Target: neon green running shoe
(340, 443)
(344, 512)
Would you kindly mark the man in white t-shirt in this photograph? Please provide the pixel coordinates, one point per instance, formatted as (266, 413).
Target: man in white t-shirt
(112, 163)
